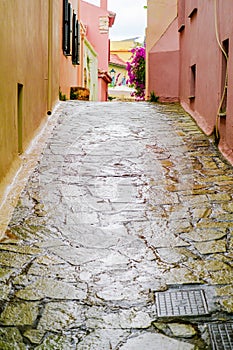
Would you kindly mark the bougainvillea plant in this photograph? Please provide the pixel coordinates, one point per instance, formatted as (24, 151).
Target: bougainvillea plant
(136, 71)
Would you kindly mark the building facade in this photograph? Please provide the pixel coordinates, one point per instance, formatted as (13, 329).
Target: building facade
(90, 70)
(97, 20)
(122, 48)
(117, 70)
(29, 75)
(206, 58)
(70, 46)
(205, 77)
(162, 48)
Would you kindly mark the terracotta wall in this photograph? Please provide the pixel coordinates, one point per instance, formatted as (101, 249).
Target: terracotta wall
(102, 88)
(203, 66)
(29, 58)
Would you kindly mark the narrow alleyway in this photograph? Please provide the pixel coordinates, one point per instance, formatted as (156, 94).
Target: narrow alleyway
(122, 238)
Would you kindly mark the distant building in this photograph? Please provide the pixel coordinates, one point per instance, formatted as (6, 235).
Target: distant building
(122, 48)
(117, 70)
(97, 20)
(90, 70)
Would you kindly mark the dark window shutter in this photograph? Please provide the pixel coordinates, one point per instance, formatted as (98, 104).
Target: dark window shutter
(66, 27)
(69, 28)
(76, 41)
(65, 10)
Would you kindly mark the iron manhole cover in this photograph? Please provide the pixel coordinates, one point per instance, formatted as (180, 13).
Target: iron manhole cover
(221, 336)
(181, 303)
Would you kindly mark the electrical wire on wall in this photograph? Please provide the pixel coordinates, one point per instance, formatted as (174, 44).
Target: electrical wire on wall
(226, 77)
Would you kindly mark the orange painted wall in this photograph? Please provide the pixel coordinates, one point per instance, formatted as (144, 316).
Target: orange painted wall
(29, 56)
(69, 73)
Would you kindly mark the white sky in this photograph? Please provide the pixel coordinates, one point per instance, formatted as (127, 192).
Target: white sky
(130, 19)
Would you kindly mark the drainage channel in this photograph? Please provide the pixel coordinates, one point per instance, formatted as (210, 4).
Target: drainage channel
(181, 303)
(177, 304)
(221, 336)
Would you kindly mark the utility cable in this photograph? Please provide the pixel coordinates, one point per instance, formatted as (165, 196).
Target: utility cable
(226, 77)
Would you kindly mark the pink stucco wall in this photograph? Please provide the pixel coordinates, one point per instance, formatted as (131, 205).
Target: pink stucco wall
(198, 46)
(163, 77)
(90, 15)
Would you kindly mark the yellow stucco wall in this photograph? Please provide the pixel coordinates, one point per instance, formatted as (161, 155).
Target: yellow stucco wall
(122, 48)
(29, 56)
(160, 14)
(124, 55)
(90, 63)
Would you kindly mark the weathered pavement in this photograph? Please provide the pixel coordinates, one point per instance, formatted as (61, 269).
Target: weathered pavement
(127, 217)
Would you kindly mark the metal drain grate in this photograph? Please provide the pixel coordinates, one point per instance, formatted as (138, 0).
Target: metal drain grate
(221, 336)
(181, 303)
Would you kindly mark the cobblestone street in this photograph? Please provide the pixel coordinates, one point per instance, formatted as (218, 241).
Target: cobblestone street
(122, 238)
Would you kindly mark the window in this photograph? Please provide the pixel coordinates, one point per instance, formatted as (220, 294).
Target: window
(67, 9)
(75, 41)
(192, 8)
(71, 33)
(192, 82)
(193, 13)
(225, 46)
(181, 15)
(20, 117)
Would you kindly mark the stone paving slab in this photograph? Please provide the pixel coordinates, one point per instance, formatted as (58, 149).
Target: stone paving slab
(127, 200)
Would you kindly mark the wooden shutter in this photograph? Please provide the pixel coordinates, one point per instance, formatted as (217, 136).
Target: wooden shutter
(76, 41)
(66, 27)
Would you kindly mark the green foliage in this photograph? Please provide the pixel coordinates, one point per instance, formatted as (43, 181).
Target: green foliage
(110, 98)
(62, 97)
(73, 95)
(153, 97)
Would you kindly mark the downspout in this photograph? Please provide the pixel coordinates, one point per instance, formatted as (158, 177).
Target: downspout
(226, 77)
(50, 38)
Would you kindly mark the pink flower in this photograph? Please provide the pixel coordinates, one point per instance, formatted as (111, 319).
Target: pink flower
(136, 71)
